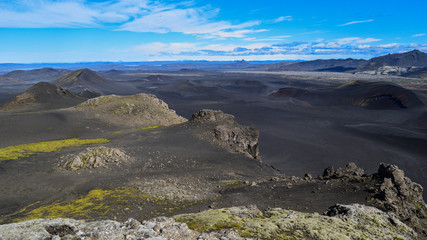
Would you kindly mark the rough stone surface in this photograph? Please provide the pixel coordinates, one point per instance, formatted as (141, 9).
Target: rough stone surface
(344, 222)
(160, 228)
(94, 157)
(138, 110)
(232, 135)
(351, 170)
(398, 194)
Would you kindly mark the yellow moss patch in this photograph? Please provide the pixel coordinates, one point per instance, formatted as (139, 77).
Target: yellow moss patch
(25, 150)
(97, 202)
(134, 129)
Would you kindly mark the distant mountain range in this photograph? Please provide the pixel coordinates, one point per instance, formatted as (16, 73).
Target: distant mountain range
(406, 64)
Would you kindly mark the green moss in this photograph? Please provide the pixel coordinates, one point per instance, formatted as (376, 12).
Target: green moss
(26, 150)
(135, 129)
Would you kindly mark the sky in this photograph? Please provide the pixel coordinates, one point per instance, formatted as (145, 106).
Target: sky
(54, 31)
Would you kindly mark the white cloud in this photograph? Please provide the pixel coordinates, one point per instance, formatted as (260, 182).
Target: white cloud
(282, 19)
(356, 22)
(356, 40)
(419, 35)
(129, 15)
(390, 45)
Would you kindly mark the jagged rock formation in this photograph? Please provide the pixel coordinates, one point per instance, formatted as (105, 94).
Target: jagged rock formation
(160, 228)
(138, 110)
(232, 135)
(341, 222)
(42, 96)
(94, 157)
(398, 194)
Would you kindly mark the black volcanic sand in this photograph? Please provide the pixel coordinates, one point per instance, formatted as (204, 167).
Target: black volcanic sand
(294, 137)
(297, 137)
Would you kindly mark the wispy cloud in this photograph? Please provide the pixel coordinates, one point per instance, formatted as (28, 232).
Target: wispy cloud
(345, 47)
(356, 22)
(419, 35)
(125, 15)
(282, 19)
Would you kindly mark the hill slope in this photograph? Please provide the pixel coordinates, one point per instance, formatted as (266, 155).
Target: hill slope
(42, 96)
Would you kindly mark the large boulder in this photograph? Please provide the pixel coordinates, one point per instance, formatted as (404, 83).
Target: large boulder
(230, 134)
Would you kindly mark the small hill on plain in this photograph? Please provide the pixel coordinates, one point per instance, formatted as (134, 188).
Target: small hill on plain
(86, 79)
(42, 96)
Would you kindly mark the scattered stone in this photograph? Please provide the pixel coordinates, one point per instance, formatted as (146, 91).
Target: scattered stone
(308, 177)
(328, 172)
(253, 184)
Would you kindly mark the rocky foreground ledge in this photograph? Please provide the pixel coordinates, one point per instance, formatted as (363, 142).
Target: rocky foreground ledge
(395, 209)
(339, 222)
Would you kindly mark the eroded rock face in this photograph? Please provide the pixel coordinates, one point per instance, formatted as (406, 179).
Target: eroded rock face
(398, 194)
(93, 157)
(351, 170)
(232, 135)
(160, 228)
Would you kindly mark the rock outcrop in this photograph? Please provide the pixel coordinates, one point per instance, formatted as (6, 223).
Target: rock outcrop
(351, 170)
(160, 228)
(230, 134)
(398, 194)
(138, 110)
(94, 157)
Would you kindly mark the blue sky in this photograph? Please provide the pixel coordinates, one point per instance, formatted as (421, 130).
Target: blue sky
(146, 30)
